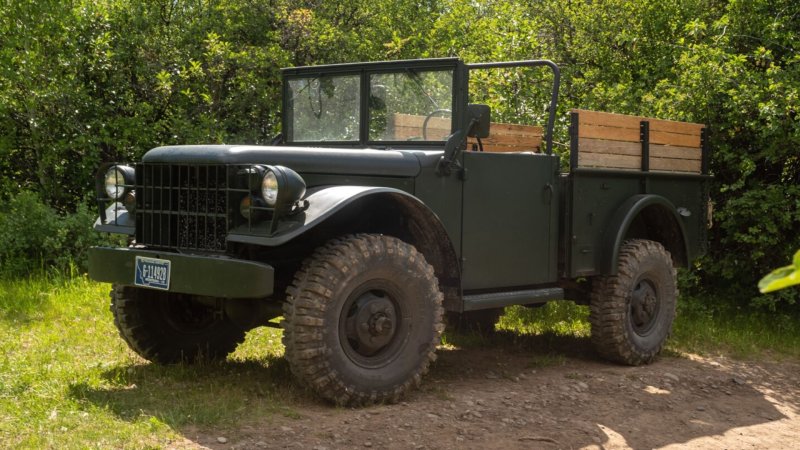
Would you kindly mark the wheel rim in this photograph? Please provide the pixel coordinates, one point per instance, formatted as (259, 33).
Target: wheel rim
(370, 324)
(644, 307)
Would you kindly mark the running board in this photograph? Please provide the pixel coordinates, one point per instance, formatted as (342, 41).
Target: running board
(501, 299)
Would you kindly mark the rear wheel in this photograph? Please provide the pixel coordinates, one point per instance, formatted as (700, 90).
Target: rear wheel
(631, 313)
(166, 327)
(362, 320)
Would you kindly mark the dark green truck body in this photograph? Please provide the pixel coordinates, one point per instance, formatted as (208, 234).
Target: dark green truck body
(498, 228)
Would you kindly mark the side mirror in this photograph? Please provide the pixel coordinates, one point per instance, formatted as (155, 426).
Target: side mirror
(480, 117)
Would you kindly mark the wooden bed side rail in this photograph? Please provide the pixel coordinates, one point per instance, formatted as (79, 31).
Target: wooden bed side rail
(618, 141)
(503, 137)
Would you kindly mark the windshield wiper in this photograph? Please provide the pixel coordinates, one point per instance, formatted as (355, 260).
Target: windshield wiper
(415, 76)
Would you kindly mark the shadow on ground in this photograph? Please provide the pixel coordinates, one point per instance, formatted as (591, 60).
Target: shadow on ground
(206, 394)
(504, 391)
(550, 391)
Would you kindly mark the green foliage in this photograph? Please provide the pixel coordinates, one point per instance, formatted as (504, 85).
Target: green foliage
(782, 278)
(34, 237)
(88, 81)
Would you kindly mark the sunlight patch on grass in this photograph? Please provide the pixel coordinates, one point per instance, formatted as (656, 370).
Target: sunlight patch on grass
(67, 379)
(560, 318)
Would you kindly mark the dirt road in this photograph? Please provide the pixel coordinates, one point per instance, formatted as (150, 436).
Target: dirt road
(511, 396)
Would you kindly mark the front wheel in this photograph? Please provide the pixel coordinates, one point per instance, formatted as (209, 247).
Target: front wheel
(631, 313)
(166, 327)
(362, 319)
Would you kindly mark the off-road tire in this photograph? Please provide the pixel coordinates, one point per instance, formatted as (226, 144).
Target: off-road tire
(480, 322)
(332, 309)
(169, 328)
(631, 313)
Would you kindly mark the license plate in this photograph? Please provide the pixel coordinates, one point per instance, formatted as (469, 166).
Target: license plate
(152, 273)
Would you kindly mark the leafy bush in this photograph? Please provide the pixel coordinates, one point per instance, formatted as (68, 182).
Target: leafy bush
(34, 237)
(105, 80)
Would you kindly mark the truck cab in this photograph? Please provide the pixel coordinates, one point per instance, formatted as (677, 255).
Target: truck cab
(391, 201)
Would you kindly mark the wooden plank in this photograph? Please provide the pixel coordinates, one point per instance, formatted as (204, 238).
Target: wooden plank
(609, 133)
(507, 149)
(511, 140)
(531, 146)
(586, 145)
(609, 161)
(681, 140)
(586, 117)
(514, 129)
(409, 126)
(675, 152)
(675, 165)
(671, 126)
(404, 134)
(503, 137)
(414, 120)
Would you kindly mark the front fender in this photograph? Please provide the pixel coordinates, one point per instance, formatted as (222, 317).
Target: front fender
(402, 215)
(621, 221)
(323, 202)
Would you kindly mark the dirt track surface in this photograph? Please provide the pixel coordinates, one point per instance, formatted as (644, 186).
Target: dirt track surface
(506, 398)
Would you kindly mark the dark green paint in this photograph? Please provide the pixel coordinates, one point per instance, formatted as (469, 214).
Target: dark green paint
(600, 203)
(190, 274)
(300, 159)
(510, 201)
(507, 228)
(474, 302)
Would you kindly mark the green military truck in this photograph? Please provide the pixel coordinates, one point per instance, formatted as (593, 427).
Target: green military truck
(388, 203)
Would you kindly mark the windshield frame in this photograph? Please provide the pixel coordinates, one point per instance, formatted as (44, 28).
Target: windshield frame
(364, 71)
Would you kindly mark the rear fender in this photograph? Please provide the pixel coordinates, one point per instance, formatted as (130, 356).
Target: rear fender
(662, 222)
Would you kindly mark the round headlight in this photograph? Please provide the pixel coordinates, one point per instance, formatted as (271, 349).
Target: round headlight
(281, 187)
(115, 183)
(269, 188)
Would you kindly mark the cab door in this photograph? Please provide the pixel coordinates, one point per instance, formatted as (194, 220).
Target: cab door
(510, 220)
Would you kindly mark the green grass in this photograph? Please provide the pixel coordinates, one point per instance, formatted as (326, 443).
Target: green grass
(555, 318)
(67, 380)
(702, 327)
(742, 333)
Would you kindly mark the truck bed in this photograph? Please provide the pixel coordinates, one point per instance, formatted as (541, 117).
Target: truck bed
(616, 160)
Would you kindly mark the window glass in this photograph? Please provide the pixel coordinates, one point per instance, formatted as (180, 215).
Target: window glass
(324, 108)
(410, 105)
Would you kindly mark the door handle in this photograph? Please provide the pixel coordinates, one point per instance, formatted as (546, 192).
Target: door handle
(548, 193)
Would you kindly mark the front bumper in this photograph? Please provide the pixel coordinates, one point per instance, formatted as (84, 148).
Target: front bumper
(213, 276)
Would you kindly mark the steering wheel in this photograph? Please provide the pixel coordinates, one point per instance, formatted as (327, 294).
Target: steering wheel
(428, 118)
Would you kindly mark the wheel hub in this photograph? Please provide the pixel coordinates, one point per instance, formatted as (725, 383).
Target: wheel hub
(644, 307)
(371, 323)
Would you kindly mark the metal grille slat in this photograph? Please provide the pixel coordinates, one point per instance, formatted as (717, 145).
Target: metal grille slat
(187, 203)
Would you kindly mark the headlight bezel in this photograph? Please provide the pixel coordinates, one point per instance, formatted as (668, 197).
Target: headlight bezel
(116, 206)
(124, 179)
(289, 187)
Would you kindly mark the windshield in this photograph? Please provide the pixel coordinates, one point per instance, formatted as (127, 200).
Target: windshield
(324, 108)
(410, 106)
(406, 105)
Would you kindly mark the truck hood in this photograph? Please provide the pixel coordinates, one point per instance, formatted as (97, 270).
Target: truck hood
(300, 159)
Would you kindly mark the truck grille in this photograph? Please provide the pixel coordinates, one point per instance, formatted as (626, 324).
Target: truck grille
(183, 207)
